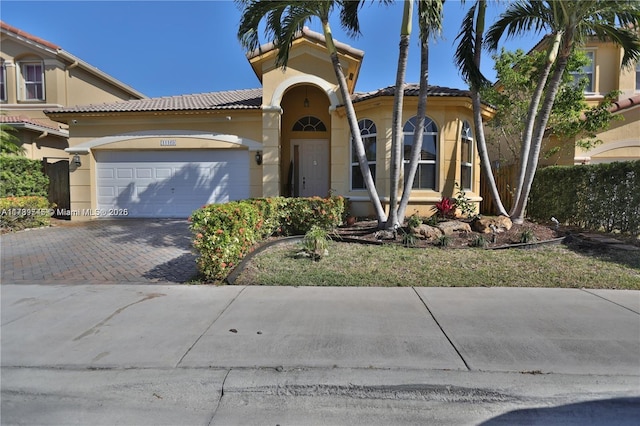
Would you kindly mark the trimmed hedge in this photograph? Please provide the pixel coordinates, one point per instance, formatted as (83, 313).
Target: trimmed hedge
(225, 233)
(20, 176)
(18, 213)
(598, 196)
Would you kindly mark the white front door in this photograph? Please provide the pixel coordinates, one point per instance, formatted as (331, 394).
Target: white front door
(312, 167)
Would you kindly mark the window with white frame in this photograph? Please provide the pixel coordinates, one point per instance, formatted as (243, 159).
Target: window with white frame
(3, 82)
(638, 77)
(466, 157)
(586, 72)
(368, 133)
(31, 80)
(426, 174)
(309, 124)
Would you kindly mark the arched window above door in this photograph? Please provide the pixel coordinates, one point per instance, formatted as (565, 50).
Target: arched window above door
(309, 124)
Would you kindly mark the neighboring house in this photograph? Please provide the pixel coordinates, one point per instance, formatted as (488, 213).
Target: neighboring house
(36, 75)
(621, 141)
(165, 157)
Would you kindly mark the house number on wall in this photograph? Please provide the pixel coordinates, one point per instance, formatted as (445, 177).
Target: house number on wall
(167, 142)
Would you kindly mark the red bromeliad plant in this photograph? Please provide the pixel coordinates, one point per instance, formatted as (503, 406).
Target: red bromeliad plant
(446, 207)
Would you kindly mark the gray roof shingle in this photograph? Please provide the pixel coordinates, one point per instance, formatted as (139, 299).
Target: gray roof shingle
(411, 90)
(246, 99)
(228, 100)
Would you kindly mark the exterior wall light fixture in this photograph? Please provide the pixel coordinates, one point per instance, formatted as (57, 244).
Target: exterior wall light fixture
(76, 160)
(306, 97)
(259, 158)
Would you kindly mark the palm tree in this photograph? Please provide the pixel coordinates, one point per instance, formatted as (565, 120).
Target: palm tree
(9, 142)
(284, 21)
(396, 127)
(569, 23)
(430, 23)
(467, 57)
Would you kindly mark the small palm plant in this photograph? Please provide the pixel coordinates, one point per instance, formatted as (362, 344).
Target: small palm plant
(316, 242)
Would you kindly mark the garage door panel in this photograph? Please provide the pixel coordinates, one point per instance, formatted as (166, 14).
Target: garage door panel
(164, 172)
(170, 183)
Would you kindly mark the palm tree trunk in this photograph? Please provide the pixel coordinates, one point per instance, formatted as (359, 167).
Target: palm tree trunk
(539, 129)
(353, 127)
(418, 136)
(481, 143)
(397, 156)
(527, 135)
(485, 163)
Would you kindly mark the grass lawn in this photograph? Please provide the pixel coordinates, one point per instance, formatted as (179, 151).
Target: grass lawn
(396, 266)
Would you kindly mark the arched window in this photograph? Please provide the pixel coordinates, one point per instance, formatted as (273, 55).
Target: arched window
(368, 133)
(426, 173)
(466, 157)
(309, 124)
(31, 74)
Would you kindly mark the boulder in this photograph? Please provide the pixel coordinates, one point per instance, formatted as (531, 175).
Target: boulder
(426, 232)
(485, 223)
(451, 227)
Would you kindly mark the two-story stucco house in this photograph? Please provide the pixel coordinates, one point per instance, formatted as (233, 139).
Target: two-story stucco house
(35, 75)
(622, 140)
(165, 157)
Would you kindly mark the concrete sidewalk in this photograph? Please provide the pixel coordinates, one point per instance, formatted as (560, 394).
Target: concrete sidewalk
(197, 338)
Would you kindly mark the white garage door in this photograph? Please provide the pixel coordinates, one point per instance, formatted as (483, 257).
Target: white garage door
(163, 184)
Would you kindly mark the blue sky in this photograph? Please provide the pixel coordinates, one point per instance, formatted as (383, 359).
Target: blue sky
(165, 48)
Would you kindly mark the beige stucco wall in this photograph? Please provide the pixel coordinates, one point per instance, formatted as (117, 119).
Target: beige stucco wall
(193, 132)
(65, 84)
(447, 113)
(621, 142)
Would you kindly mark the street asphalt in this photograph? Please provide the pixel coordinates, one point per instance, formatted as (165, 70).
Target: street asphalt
(153, 351)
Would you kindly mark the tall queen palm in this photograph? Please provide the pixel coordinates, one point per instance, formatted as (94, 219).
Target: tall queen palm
(568, 24)
(467, 57)
(284, 20)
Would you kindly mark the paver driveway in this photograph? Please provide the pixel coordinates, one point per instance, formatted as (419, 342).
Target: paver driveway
(99, 252)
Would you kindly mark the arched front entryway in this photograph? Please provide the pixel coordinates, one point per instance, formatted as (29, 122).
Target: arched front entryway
(306, 142)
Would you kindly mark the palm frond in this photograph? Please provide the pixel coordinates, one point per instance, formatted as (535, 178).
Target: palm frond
(464, 56)
(519, 18)
(430, 18)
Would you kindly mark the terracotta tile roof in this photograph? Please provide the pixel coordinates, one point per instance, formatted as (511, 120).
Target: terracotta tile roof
(228, 100)
(21, 119)
(626, 103)
(28, 36)
(411, 90)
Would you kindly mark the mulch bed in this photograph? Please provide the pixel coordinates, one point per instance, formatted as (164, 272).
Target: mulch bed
(366, 231)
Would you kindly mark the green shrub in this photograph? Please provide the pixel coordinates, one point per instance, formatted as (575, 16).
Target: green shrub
(18, 213)
(20, 176)
(272, 212)
(301, 214)
(599, 196)
(225, 233)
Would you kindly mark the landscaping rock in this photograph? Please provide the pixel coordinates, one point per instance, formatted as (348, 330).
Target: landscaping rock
(483, 224)
(449, 228)
(386, 235)
(426, 232)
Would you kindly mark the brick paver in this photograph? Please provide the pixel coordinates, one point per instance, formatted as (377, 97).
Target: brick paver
(99, 252)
